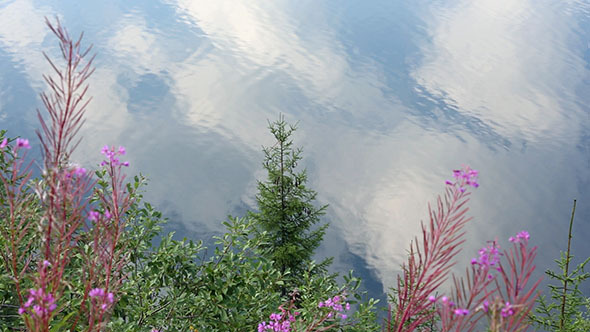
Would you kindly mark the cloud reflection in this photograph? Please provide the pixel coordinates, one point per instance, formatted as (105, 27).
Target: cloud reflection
(259, 48)
(22, 29)
(506, 63)
(379, 189)
(218, 70)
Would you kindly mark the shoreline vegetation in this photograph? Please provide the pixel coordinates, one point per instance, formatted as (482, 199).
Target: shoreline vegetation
(77, 250)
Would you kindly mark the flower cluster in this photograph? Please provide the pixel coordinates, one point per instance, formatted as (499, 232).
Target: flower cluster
(506, 309)
(102, 297)
(521, 236)
(95, 215)
(448, 304)
(75, 170)
(488, 257)
(284, 322)
(20, 143)
(335, 304)
(485, 306)
(279, 322)
(113, 156)
(464, 177)
(40, 303)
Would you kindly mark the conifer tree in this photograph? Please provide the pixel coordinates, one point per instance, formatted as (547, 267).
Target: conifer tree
(285, 206)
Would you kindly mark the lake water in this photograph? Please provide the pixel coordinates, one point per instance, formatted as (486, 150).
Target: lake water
(390, 96)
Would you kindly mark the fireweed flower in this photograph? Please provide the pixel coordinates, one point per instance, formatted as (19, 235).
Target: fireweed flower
(488, 257)
(507, 311)
(113, 156)
(93, 216)
(520, 237)
(464, 177)
(22, 143)
(75, 170)
(336, 305)
(448, 304)
(4, 143)
(461, 312)
(101, 297)
(282, 322)
(39, 303)
(278, 323)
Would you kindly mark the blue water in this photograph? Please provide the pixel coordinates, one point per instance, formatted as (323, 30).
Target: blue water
(390, 96)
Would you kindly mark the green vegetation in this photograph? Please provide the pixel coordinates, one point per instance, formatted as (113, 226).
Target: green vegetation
(570, 309)
(286, 211)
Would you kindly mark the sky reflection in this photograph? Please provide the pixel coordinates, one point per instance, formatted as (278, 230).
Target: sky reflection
(514, 65)
(390, 97)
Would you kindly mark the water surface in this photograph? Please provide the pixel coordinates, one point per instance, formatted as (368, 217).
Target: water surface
(389, 96)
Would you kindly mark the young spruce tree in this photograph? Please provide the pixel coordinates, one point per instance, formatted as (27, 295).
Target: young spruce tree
(285, 208)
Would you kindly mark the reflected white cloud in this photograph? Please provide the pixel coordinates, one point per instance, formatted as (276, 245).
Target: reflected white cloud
(254, 42)
(24, 35)
(505, 63)
(136, 47)
(379, 187)
(380, 193)
(254, 60)
(22, 31)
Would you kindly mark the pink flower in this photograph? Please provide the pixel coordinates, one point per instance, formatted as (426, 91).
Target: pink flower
(96, 292)
(102, 298)
(112, 156)
(464, 177)
(488, 256)
(79, 171)
(39, 303)
(105, 150)
(461, 312)
(4, 143)
(522, 236)
(22, 143)
(508, 310)
(93, 216)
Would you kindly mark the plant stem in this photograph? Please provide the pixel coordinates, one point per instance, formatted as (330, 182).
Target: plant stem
(566, 271)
